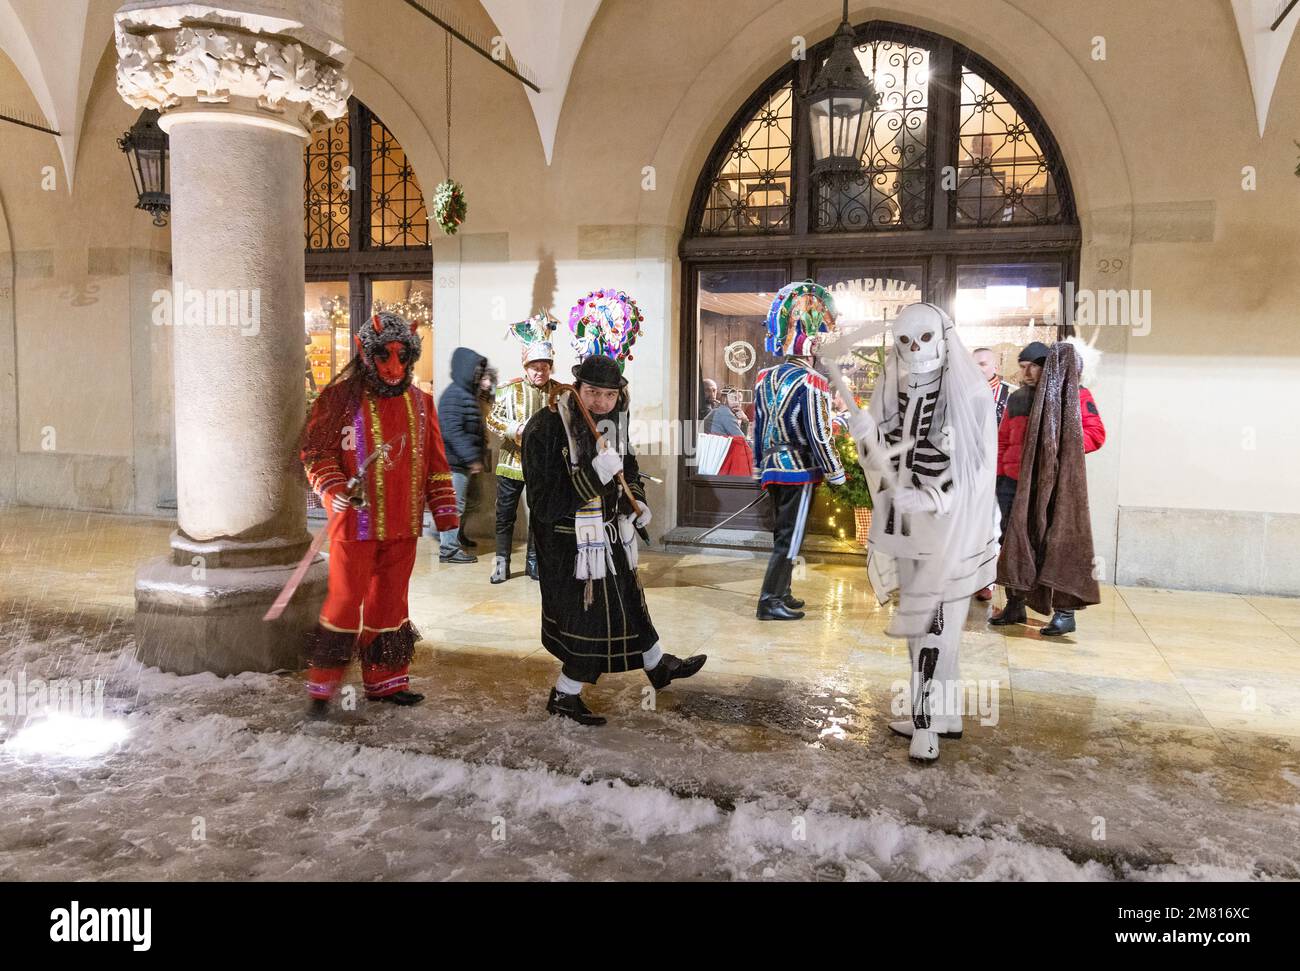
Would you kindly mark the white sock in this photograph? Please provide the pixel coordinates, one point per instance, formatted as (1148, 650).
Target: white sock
(567, 686)
(651, 657)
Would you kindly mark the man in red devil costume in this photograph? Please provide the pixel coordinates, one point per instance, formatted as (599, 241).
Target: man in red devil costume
(371, 405)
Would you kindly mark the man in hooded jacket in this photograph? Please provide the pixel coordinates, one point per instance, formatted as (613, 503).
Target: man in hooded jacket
(465, 440)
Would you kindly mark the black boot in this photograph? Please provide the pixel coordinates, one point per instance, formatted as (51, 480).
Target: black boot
(530, 562)
(465, 541)
(671, 668)
(1061, 623)
(1012, 613)
(318, 709)
(572, 706)
(793, 602)
(773, 608)
(403, 698)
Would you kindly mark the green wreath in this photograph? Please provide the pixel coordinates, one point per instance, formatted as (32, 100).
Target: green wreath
(449, 207)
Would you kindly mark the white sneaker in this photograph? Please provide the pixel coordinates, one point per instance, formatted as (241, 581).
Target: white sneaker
(948, 726)
(925, 745)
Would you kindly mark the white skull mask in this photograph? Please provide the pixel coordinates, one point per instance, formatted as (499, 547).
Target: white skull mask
(918, 338)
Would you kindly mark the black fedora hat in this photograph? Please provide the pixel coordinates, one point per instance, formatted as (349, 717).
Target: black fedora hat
(600, 372)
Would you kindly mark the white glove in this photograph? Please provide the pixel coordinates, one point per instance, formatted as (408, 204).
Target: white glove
(911, 500)
(607, 464)
(863, 427)
(339, 501)
(643, 516)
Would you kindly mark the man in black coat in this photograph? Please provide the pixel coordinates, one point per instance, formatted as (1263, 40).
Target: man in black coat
(594, 614)
(465, 439)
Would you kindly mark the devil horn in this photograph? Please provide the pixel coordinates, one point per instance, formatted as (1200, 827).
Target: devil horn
(374, 322)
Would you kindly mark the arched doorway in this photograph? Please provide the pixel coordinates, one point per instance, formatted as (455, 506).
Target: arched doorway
(367, 241)
(965, 202)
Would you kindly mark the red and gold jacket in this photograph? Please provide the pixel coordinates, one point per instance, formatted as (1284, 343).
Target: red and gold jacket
(415, 475)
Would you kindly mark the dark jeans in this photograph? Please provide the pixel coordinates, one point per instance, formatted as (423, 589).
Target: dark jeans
(509, 492)
(1006, 489)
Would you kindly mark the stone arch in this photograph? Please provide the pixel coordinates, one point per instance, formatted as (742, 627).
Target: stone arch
(1036, 61)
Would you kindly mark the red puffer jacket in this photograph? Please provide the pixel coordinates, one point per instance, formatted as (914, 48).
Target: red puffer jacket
(1011, 433)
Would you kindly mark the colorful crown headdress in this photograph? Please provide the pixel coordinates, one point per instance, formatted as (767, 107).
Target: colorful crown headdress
(605, 322)
(538, 327)
(801, 313)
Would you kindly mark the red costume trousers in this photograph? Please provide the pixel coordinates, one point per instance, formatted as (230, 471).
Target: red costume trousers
(365, 611)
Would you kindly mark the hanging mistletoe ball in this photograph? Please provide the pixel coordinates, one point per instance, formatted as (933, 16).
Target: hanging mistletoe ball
(449, 207)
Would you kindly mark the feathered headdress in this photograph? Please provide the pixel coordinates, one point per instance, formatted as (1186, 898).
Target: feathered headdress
(1089, 357)
(798, 318)
(535, 336)
(605, 322)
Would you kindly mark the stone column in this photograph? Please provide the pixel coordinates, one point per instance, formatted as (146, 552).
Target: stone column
(239, 85)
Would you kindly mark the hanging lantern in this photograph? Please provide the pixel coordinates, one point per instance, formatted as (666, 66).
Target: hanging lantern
(145, 145)
(840, 101)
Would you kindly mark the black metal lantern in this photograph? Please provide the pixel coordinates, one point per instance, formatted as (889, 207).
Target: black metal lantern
(145, 145)
(840, 101)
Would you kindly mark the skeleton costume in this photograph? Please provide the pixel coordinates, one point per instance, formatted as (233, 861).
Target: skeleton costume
(930, 447)
(792, 433)
(516, 403)
(371, 406)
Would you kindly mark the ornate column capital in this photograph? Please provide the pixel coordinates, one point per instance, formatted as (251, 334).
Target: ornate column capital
(264, 59)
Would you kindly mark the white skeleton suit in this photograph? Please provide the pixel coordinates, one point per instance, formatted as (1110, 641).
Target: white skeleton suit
(934, 528)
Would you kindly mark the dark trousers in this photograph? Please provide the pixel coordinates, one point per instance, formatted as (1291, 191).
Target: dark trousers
(1006, 489)
(509, 492)
(785, 514)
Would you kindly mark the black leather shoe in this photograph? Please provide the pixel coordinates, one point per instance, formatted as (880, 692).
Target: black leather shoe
(572, 707)
(671, 668)
(1011, 614)
(460, 556)
(465, 541)
(773, 609)
(1057, 626)
(793, 602)
(403, 698)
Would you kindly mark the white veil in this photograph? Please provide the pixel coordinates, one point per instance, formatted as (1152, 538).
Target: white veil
(958, 555)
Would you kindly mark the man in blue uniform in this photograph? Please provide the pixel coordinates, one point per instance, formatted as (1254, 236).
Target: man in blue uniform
(792, 433)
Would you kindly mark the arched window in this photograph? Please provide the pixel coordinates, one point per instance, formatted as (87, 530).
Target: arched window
(366, 240)
(964, 201)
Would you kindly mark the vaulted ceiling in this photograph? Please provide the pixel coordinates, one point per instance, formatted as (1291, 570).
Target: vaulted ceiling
(57, 47)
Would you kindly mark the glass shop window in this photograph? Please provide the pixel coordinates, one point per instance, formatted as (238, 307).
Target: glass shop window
(731, 317)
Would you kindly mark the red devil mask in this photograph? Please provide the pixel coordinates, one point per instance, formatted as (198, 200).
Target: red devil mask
(389, 348)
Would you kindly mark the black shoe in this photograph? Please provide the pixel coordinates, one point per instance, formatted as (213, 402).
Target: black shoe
(671, 668)
(770, 608)
(530, 565)
(465, 541)
(460, 556)
(1011, 614)
(318, 709)
(793, 602)
(403, 698)
(571, 706)
(1057, 626)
